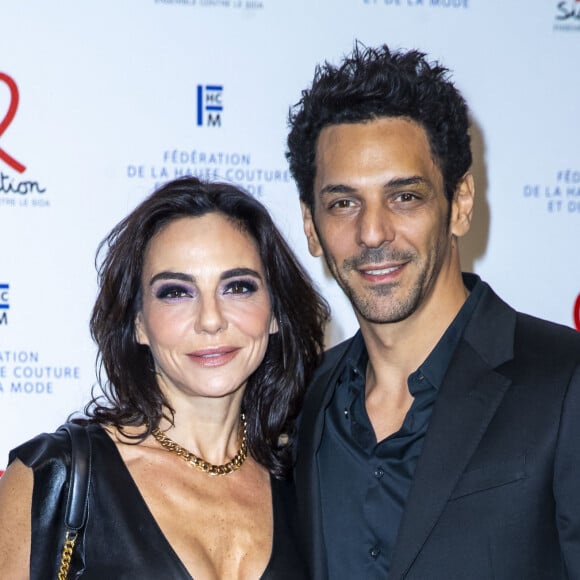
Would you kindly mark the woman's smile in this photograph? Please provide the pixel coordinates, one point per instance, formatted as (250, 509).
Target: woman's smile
(206, 302)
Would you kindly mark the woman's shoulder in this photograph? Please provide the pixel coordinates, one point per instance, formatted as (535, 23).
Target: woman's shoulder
(52, 447)
(42, 448)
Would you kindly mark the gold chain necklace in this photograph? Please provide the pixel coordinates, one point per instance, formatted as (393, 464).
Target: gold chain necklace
(201, 464)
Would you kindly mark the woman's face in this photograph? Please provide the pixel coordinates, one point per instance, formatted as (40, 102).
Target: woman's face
(206, 313)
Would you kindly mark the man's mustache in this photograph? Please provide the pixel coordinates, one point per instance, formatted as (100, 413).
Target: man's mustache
(378, 256)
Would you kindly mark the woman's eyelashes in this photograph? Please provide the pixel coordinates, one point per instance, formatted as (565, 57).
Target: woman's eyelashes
(173, 291)
(244, 286)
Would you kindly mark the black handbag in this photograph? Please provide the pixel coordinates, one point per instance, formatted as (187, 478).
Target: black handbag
(76, 512)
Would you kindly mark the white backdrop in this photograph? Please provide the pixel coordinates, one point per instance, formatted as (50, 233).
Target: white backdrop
(100, 101)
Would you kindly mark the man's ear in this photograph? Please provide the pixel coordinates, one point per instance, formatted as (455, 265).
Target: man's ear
(462, 206)
(313, 243)
(140, 334)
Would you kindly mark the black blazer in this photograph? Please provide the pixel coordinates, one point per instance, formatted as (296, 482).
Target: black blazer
(496, 492)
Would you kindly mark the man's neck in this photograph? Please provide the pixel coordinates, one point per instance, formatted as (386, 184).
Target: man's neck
(397, 349)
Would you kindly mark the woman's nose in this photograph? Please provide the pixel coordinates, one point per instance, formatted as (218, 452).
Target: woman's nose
(210, 318)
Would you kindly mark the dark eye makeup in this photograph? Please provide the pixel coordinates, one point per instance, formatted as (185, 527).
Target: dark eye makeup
(244, 286)
(172, 291)
(175, 291)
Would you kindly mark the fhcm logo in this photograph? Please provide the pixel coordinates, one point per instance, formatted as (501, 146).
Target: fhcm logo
(4, 303)
(209, 105)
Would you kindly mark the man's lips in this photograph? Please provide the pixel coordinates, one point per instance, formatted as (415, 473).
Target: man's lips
(386, 273)
(214, 357)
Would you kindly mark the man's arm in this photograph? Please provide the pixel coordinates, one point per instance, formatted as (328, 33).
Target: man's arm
(567, 478)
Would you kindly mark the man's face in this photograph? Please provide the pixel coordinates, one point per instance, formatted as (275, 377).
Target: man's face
(381, 218)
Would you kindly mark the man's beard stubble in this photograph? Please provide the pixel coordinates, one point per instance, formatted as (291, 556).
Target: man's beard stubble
(370, 307)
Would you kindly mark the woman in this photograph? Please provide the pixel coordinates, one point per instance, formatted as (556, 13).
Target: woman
(208, 331)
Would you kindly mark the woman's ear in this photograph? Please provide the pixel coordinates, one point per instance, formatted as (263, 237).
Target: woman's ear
(140, 334)
(274, 328)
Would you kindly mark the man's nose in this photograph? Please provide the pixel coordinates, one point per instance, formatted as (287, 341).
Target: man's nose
(375, 226)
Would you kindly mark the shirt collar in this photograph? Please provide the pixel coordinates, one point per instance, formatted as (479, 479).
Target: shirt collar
(436, 364)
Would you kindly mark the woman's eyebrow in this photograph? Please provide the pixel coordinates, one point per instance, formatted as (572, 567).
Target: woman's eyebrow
(172, 276)
(240, 272)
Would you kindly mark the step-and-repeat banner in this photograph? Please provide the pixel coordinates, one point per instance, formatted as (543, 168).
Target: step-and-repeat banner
(101, 101)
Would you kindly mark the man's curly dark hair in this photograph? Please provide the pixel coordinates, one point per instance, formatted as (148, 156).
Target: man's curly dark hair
(371, 83)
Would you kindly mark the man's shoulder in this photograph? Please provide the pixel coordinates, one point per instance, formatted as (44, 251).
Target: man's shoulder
(334, 355)
(547, 336)
(497, 321)
(324, 379)
(331, 365)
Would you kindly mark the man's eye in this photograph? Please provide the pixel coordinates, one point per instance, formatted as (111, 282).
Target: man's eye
(341, 204)
(406, 196)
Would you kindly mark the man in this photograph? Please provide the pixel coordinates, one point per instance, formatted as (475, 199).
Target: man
(443, 440)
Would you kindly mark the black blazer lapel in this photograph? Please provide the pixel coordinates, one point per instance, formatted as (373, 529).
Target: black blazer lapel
(470, 395)
(306, 469)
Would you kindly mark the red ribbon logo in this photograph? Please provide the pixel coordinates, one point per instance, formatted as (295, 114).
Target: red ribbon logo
(577, 313)
(8, 118)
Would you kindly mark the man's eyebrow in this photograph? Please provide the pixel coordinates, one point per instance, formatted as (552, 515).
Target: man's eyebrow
(337, 188)
(406, 181)
(340, 188)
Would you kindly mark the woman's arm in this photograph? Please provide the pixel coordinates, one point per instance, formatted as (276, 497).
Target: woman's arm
(15, 508)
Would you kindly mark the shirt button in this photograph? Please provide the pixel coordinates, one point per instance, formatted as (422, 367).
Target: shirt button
(374, 552)
(379, 472)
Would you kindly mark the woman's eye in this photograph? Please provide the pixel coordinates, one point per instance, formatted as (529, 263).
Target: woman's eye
(241, 287)
(172, 292)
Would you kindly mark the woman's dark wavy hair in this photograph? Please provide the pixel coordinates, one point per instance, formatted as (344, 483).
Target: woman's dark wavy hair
(372, 83)
(125, 369)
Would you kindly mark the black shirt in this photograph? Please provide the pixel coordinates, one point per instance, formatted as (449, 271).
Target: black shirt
(364, 483)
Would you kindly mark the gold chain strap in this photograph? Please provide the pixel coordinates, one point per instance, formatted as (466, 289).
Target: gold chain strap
(67, 551)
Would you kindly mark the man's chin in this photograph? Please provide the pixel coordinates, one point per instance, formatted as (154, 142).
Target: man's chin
(375, 314)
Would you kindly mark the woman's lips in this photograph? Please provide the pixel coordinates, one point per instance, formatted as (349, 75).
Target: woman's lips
(213, 357)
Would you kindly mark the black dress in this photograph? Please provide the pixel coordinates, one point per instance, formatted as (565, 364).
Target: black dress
(122, 539)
